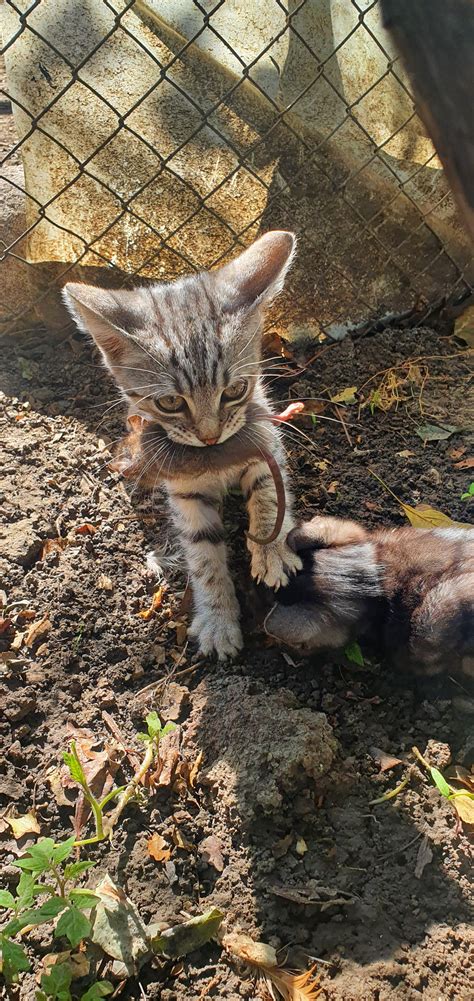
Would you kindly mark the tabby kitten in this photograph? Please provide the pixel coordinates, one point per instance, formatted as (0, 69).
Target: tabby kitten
(186, 356)
(412, 589)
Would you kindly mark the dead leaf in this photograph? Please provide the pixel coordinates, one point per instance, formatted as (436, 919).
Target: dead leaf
(169, 754)
(464, 326)
(281, 847)
(52, 546)
(301, 847)
(384, 760)
(85, 529)
(180, 841)
(332, 488)
(457, 773)
(463, 803)
(26, 824)
(53, 776)
(25, 615)
(194, 770)
(433, 432)
(424, 516)
(456, 453)
(424, 857)
(324, 896)
(78, 961)
(210, 850)
(405, 453)
(345, 396)
(37, 632)
(5, 625)
(118, 928)
(465, 464)
(187, 937)
(158, 848)
(243, 947)
(104, 583)
(156, 602)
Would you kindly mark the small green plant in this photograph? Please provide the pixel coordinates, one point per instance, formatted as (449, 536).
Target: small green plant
(47, 892)
(76, 772)
(155, 729)
(469, 492)
(354, 653)
(105, 823)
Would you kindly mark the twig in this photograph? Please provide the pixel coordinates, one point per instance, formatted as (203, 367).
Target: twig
(403, 848)
(344, 426)
(115, 730)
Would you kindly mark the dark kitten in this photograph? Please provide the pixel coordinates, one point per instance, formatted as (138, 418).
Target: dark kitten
(411, 589)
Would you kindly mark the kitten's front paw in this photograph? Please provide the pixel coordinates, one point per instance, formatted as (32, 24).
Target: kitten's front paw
(216, 634)
(273, 565)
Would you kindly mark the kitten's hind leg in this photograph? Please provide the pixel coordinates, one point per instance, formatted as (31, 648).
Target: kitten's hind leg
(275, 563)
(195, 513)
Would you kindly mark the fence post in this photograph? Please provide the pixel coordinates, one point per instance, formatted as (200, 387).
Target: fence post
(436, 41)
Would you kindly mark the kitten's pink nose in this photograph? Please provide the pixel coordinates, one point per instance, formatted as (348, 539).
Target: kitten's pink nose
(209, 441)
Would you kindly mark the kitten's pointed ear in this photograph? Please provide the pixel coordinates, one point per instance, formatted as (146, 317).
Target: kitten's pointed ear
(103, 314)
(258, 275)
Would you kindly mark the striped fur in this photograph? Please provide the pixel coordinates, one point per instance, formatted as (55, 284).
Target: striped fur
(195, 341)
(412, 589)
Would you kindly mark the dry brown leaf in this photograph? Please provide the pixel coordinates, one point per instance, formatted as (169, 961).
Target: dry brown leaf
(104, 583)
(17, 642)
(78, 962)
(26, 824)
(384, 761)
(465, 464)
(280, 848)
(463, 803)
(5, 625)
(25, 615)
(158, 848)
(85, 529)
(180, 841)
(52, 546)
(457, 773)
(424, 857)
(193, 772)
(210, 850)
(37, 631)
(424, 516)
(332, 488)
(254, 953)
(169, 753)
(456, 453)
(53, 776)
(156, 602)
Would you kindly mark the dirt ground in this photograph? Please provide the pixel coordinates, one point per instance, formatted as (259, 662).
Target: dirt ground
(300, 860)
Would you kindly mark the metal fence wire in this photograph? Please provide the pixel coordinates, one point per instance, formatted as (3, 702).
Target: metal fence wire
(142, 140)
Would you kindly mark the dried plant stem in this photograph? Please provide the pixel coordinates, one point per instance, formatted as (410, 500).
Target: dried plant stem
(130, 789)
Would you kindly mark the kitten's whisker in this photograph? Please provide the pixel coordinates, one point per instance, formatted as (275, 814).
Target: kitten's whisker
(247, 343)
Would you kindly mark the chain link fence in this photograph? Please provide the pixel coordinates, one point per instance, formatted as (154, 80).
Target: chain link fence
(142, 140)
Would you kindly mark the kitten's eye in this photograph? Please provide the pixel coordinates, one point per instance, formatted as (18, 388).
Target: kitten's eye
(235, 391)
(170, 404)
